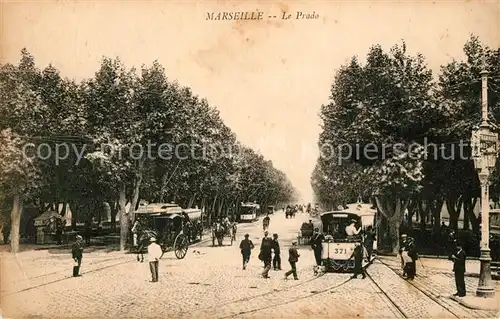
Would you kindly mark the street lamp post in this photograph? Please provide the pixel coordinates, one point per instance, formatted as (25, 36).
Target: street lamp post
(484, 144)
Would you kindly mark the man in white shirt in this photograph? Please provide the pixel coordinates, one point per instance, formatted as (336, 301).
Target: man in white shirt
(135, 232)
(351, 229)
(154, 255)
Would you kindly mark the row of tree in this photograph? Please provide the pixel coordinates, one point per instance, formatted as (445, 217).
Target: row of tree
(101, 128)
(393, 98)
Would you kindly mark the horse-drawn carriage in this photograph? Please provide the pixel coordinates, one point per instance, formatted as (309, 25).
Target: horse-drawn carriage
(221, 230)
(290, 211)
(193, 226)
(338, 247)
(166, 223)
(305, 233)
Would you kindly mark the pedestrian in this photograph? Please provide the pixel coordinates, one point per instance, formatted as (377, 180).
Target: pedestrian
(154, 255)
(265, 254)
(402, 245)
(246, 247)
(358, 261)
(410, 260)
(459, 259)
(368, 242)
(265, 222)
(293, 258)
(317, 246)
(77, 254)
(135, 232)
(276, 250)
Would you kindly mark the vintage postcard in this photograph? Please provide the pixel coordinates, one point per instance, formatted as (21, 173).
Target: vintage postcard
(249, 159)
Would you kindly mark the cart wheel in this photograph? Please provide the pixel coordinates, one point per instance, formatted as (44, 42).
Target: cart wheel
(181, 246)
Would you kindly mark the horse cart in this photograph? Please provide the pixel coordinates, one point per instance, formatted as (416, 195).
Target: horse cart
(221, 230)
(193, 226)
(290, 212)
(305, 233)
(165, 222)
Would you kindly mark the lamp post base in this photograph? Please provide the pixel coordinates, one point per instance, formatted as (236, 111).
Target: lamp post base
(485, 288)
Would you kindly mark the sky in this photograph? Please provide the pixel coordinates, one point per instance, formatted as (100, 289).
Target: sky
(268, 78)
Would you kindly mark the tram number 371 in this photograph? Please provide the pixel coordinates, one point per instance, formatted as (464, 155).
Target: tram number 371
(340, 251)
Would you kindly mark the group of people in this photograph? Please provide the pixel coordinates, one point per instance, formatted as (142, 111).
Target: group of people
(269, 246)
(409, 256)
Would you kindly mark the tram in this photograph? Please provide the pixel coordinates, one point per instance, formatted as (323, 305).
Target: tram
(338, 248)
(248, 212)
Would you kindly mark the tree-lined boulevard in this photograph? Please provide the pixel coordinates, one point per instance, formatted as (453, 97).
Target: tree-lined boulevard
(127, 136)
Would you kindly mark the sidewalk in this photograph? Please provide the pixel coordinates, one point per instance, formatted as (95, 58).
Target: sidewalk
(436, 280)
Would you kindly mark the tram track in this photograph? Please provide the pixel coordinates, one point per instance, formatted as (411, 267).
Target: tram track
(428, 295)
(330, 289)
(313, 294)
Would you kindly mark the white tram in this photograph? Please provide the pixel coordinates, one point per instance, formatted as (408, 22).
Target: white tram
(338, 248)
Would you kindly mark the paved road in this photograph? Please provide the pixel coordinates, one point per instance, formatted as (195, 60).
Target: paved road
(209, 282)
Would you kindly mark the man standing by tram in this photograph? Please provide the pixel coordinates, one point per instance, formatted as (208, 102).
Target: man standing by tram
(317, 246)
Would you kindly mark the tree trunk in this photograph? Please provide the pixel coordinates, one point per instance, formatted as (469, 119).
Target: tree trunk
(15, 216)
(123, 217)
(135, 194)
(454, 206)
(437, 207)
(392, 207)
(469, 204)
(191, 201)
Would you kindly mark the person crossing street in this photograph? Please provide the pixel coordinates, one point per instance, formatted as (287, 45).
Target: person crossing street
(293, 258)
(276, 250)
(265, 254)
(246, 247)
(77, 254)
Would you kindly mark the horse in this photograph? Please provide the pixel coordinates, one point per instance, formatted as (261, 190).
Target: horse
(218, 232)
(144, 238)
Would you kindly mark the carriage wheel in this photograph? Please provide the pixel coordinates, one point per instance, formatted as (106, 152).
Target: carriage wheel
(181, 246)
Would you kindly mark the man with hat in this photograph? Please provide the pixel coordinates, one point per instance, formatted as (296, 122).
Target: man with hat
(358, 261)
(293, 258)
(277, 251)
(317, 245)
(265, 254)
(154, 255)
(459, 259)
(77, 254)
(246, 247)
(402, 245)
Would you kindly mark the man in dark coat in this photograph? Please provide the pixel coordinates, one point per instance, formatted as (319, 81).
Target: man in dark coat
(246, 247)
(276, 250)
(77, 253)
(266, 254)
(368, 242)
(317, 245)
(293, 258)
(459, 259)
(411, 266)
(358, 261)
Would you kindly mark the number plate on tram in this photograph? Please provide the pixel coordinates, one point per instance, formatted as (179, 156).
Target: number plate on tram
(340, 251)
